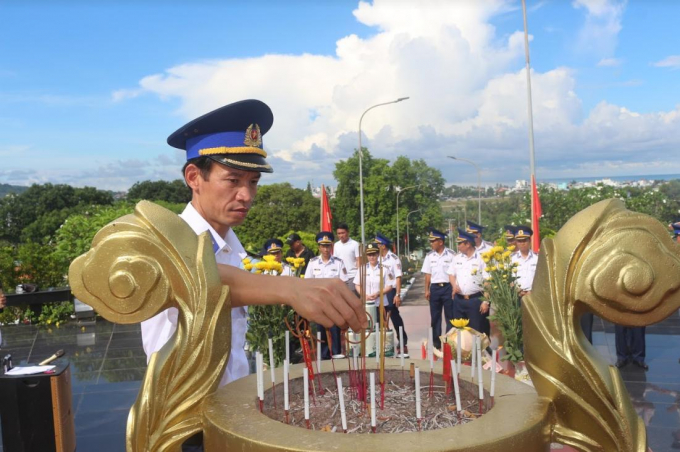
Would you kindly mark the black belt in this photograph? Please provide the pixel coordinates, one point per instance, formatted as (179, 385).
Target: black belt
(468, 297)
(441, 284)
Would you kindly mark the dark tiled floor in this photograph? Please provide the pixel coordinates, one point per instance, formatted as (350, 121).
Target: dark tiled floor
(108, 363)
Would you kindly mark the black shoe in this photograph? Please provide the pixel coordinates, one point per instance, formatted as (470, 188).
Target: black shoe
(621, 363)
(641, 365)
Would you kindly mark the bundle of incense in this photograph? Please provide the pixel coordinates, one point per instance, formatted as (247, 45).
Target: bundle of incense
(271, 368)
(458, 350)
(430, 356)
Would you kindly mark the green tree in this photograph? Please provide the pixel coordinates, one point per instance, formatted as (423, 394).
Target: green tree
(41, 204)
(380, 191)
(173, 192)
(278, 208)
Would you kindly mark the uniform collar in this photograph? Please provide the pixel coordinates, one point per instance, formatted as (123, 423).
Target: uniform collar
(200, 225)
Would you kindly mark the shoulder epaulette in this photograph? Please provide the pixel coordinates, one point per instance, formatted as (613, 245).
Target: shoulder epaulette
(316, 258)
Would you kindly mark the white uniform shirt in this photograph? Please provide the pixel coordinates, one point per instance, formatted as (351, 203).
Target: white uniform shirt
(391, 260)
(334, 268)
(469, 272)
(373, 281)
(348, 252)
(526, 269)
(436, 265)
(287, 270)
(484, 247)
(159, 329)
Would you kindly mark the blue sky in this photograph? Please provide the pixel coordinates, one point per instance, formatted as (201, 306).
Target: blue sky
(89, 92)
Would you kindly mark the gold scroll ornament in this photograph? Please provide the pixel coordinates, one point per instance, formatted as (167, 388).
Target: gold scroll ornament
(622, 266)
(139, 266)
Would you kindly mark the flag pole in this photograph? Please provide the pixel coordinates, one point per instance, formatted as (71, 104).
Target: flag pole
(323, 189)
(532, 167)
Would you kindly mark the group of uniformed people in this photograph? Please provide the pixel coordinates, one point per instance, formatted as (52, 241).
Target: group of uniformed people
(341, 260)
(454, 281)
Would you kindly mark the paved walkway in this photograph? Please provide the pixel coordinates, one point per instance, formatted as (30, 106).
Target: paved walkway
(108, 364)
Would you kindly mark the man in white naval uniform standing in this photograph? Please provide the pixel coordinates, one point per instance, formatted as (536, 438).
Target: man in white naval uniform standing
(225, 159)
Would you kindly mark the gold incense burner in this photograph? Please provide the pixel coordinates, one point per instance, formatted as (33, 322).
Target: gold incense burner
(620, 265)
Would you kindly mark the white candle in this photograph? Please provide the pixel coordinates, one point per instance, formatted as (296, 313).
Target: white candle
(459, 350)
(473, 355)
(377, 342)
(355, 359)
(287, 345)
(493, 372)
(373, 424)
(455, 386)
(285, 386)
(318, 350)
(401, 344)
(479, 369)
(260, 376)
(341, 396)
(305, 374)
(271, 359)
(417, 393)
(430, 347)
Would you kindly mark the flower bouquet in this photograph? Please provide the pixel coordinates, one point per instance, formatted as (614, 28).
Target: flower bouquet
(500, 289)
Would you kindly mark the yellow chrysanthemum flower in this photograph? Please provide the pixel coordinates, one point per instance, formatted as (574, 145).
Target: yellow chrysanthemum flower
(461, 324)
(512, 247)
(302, 276)
(486, 259)
(506, 254)
(248, 267)
(289, 260)
(269, 258)
(497, 256)
(474, 271)
(296, 265)
(246, 260)
(261, 265)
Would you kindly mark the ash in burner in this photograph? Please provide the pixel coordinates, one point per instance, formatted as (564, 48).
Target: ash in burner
(398, 415)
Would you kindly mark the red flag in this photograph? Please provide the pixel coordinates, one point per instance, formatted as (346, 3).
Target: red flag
(536, 204)
(326, 217)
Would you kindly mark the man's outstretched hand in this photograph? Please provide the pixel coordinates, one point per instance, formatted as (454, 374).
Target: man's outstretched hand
(328, 302)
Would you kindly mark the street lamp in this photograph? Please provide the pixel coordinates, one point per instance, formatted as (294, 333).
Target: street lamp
(408, 242)
(361, 173)
(399, 191)
(479, 185)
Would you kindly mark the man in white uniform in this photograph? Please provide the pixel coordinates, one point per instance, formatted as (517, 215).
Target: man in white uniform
(225, 159)
(390, 260)
(476, 230)
(437, 287)
(525, 259)
(347, 249)
(326, 266)
(373, 268)
(275, 247)
(466, 274)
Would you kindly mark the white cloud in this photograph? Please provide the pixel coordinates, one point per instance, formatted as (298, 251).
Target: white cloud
(467, 98)
(610, 62)
(599, 34)
(672, 61)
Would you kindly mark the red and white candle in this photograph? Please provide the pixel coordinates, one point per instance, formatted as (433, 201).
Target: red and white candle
(305, 376)
(286, 405)
(456, 388)
(401, 344)
(493, 373)
(373, 414)
(418, 393)
(479, 369)
(271, 360)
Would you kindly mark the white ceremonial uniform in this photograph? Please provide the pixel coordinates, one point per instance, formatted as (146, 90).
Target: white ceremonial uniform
(391, 260)
(159, 329)
(287, 270)
(348, 252)
(437, 264)
(526, 269)
(333, 268)
(373, 281)
(469, 272)
(484, 247)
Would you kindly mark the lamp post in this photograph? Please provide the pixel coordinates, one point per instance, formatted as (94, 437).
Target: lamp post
(361, 173)
(408, 242)
(479, 185)
(399, 191)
